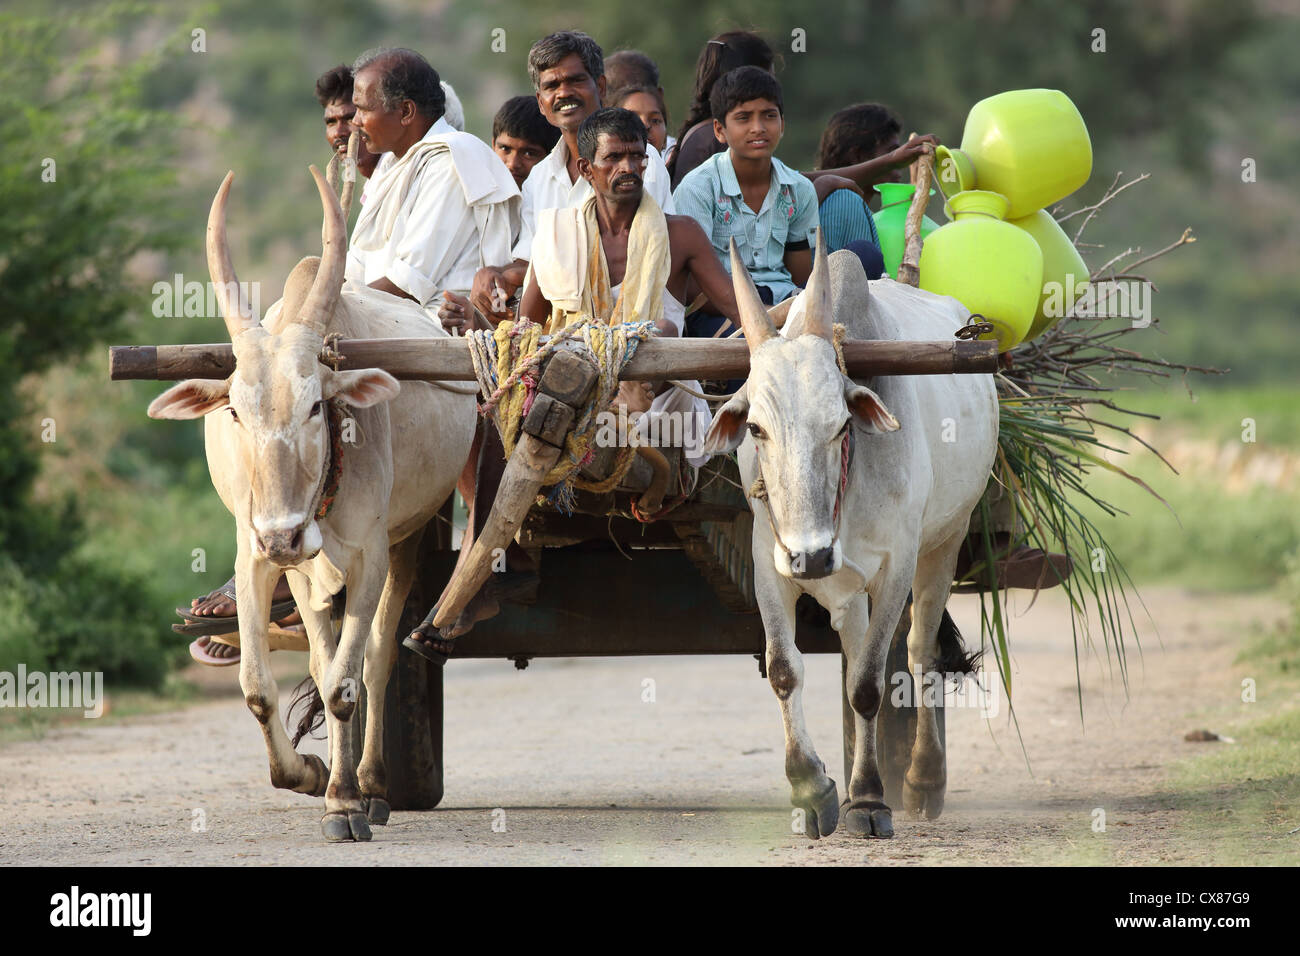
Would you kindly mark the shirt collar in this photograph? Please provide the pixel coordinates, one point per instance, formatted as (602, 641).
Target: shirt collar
(557, 161)
(730, 186)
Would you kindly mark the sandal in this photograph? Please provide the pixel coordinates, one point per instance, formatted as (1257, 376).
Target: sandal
(213, 626)
(199, 651)
(279, 609)
(293, 638)
(424, 640)
(503, 587)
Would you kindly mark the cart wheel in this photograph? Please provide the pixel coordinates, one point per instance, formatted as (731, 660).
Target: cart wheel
(895, 726)
(413, 705)
(413, 734)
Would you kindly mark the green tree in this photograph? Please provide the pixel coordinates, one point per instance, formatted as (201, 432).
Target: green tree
(85, 174)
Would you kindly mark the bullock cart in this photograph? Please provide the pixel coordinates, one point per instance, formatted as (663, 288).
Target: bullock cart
(595, 558)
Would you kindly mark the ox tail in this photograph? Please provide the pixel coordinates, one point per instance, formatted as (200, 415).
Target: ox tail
(953, 656)
(307, 698)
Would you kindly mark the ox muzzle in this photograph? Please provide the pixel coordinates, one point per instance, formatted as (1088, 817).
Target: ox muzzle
(287, 546)
(808, 565)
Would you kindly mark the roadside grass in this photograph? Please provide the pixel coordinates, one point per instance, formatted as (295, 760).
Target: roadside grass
(1217, 413)
(1243, 798)
(1219, 531)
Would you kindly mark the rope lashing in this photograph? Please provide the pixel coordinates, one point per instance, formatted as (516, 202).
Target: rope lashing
(758, 490)
(507, 363)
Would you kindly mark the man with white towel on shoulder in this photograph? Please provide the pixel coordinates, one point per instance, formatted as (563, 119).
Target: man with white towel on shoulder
(440, 204)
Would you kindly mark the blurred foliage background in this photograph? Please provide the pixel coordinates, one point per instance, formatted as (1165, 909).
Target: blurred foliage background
(106, 528)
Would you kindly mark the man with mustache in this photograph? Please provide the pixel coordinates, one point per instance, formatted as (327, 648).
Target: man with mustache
(568, 73)
(630, 242)
(334, 93)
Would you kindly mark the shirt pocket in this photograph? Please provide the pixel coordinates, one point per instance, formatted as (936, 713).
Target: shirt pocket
(724, 217)
(779, 235)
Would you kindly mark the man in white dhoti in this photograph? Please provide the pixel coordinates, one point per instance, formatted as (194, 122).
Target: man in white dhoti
(440, 204)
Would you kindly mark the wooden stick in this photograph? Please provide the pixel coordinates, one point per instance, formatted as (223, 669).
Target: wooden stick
(655, 360)
(529, 464)
(909, 271)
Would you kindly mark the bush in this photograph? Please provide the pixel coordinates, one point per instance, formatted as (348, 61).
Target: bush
(83, 616)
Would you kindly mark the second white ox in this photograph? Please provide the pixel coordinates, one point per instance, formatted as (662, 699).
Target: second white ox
(856, 530)
(274, 444)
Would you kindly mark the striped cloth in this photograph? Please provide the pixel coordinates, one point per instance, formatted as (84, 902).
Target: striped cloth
(844, 217)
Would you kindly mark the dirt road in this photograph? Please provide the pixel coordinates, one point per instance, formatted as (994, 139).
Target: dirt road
(581, 768)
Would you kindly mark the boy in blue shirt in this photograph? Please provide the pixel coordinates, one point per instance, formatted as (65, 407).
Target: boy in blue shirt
(748, 194)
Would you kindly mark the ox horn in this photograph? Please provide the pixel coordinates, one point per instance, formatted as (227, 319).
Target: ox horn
(238, 315)
(320, 302)
(345, 169)
(817, 313)
(754, 320)
(350, 174)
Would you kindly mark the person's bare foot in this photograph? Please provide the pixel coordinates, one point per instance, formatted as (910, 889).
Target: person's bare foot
(480, 608)
(217, 649)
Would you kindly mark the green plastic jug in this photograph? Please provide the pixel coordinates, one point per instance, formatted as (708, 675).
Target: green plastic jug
(1029, 145)
(986, 264)
(891, 221)
(1065, 275)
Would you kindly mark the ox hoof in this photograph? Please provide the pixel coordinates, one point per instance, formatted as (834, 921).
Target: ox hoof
(345, 826)
(377, 810)
(873, 820)
(316, 766)
(923, 801)
(821, 813)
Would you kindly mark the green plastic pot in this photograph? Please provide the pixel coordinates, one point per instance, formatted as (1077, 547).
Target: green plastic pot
(1065, 275)
(895, 200)
(988, 265)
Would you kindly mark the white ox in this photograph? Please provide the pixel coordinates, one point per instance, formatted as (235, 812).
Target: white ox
(270, 447)
(906, 502)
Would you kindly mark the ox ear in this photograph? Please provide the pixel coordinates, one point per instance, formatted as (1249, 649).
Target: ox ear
(728, 428)
(361, 388)
(192, 398)
(868, 409)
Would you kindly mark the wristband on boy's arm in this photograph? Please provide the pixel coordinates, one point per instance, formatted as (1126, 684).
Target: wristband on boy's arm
(798, 245)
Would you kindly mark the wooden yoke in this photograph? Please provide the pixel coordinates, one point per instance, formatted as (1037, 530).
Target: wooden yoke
(566, 382)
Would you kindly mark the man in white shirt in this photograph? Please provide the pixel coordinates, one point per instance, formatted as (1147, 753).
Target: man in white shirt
(440, 204)
(568, 73)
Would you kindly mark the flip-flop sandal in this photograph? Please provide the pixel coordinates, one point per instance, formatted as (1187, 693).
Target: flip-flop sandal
(279, 609)
(208, 627)
(510, 587)
(424, 640)
(201, 654)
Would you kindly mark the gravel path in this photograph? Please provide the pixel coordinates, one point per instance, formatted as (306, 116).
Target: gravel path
(584, 771)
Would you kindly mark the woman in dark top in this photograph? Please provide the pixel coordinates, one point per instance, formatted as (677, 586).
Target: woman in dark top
(725, 52)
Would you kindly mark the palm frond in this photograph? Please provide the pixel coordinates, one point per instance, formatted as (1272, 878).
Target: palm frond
(1056, 414)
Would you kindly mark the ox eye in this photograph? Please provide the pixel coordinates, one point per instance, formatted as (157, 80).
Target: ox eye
(756, 431)
(315, 410)
(234, 415)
